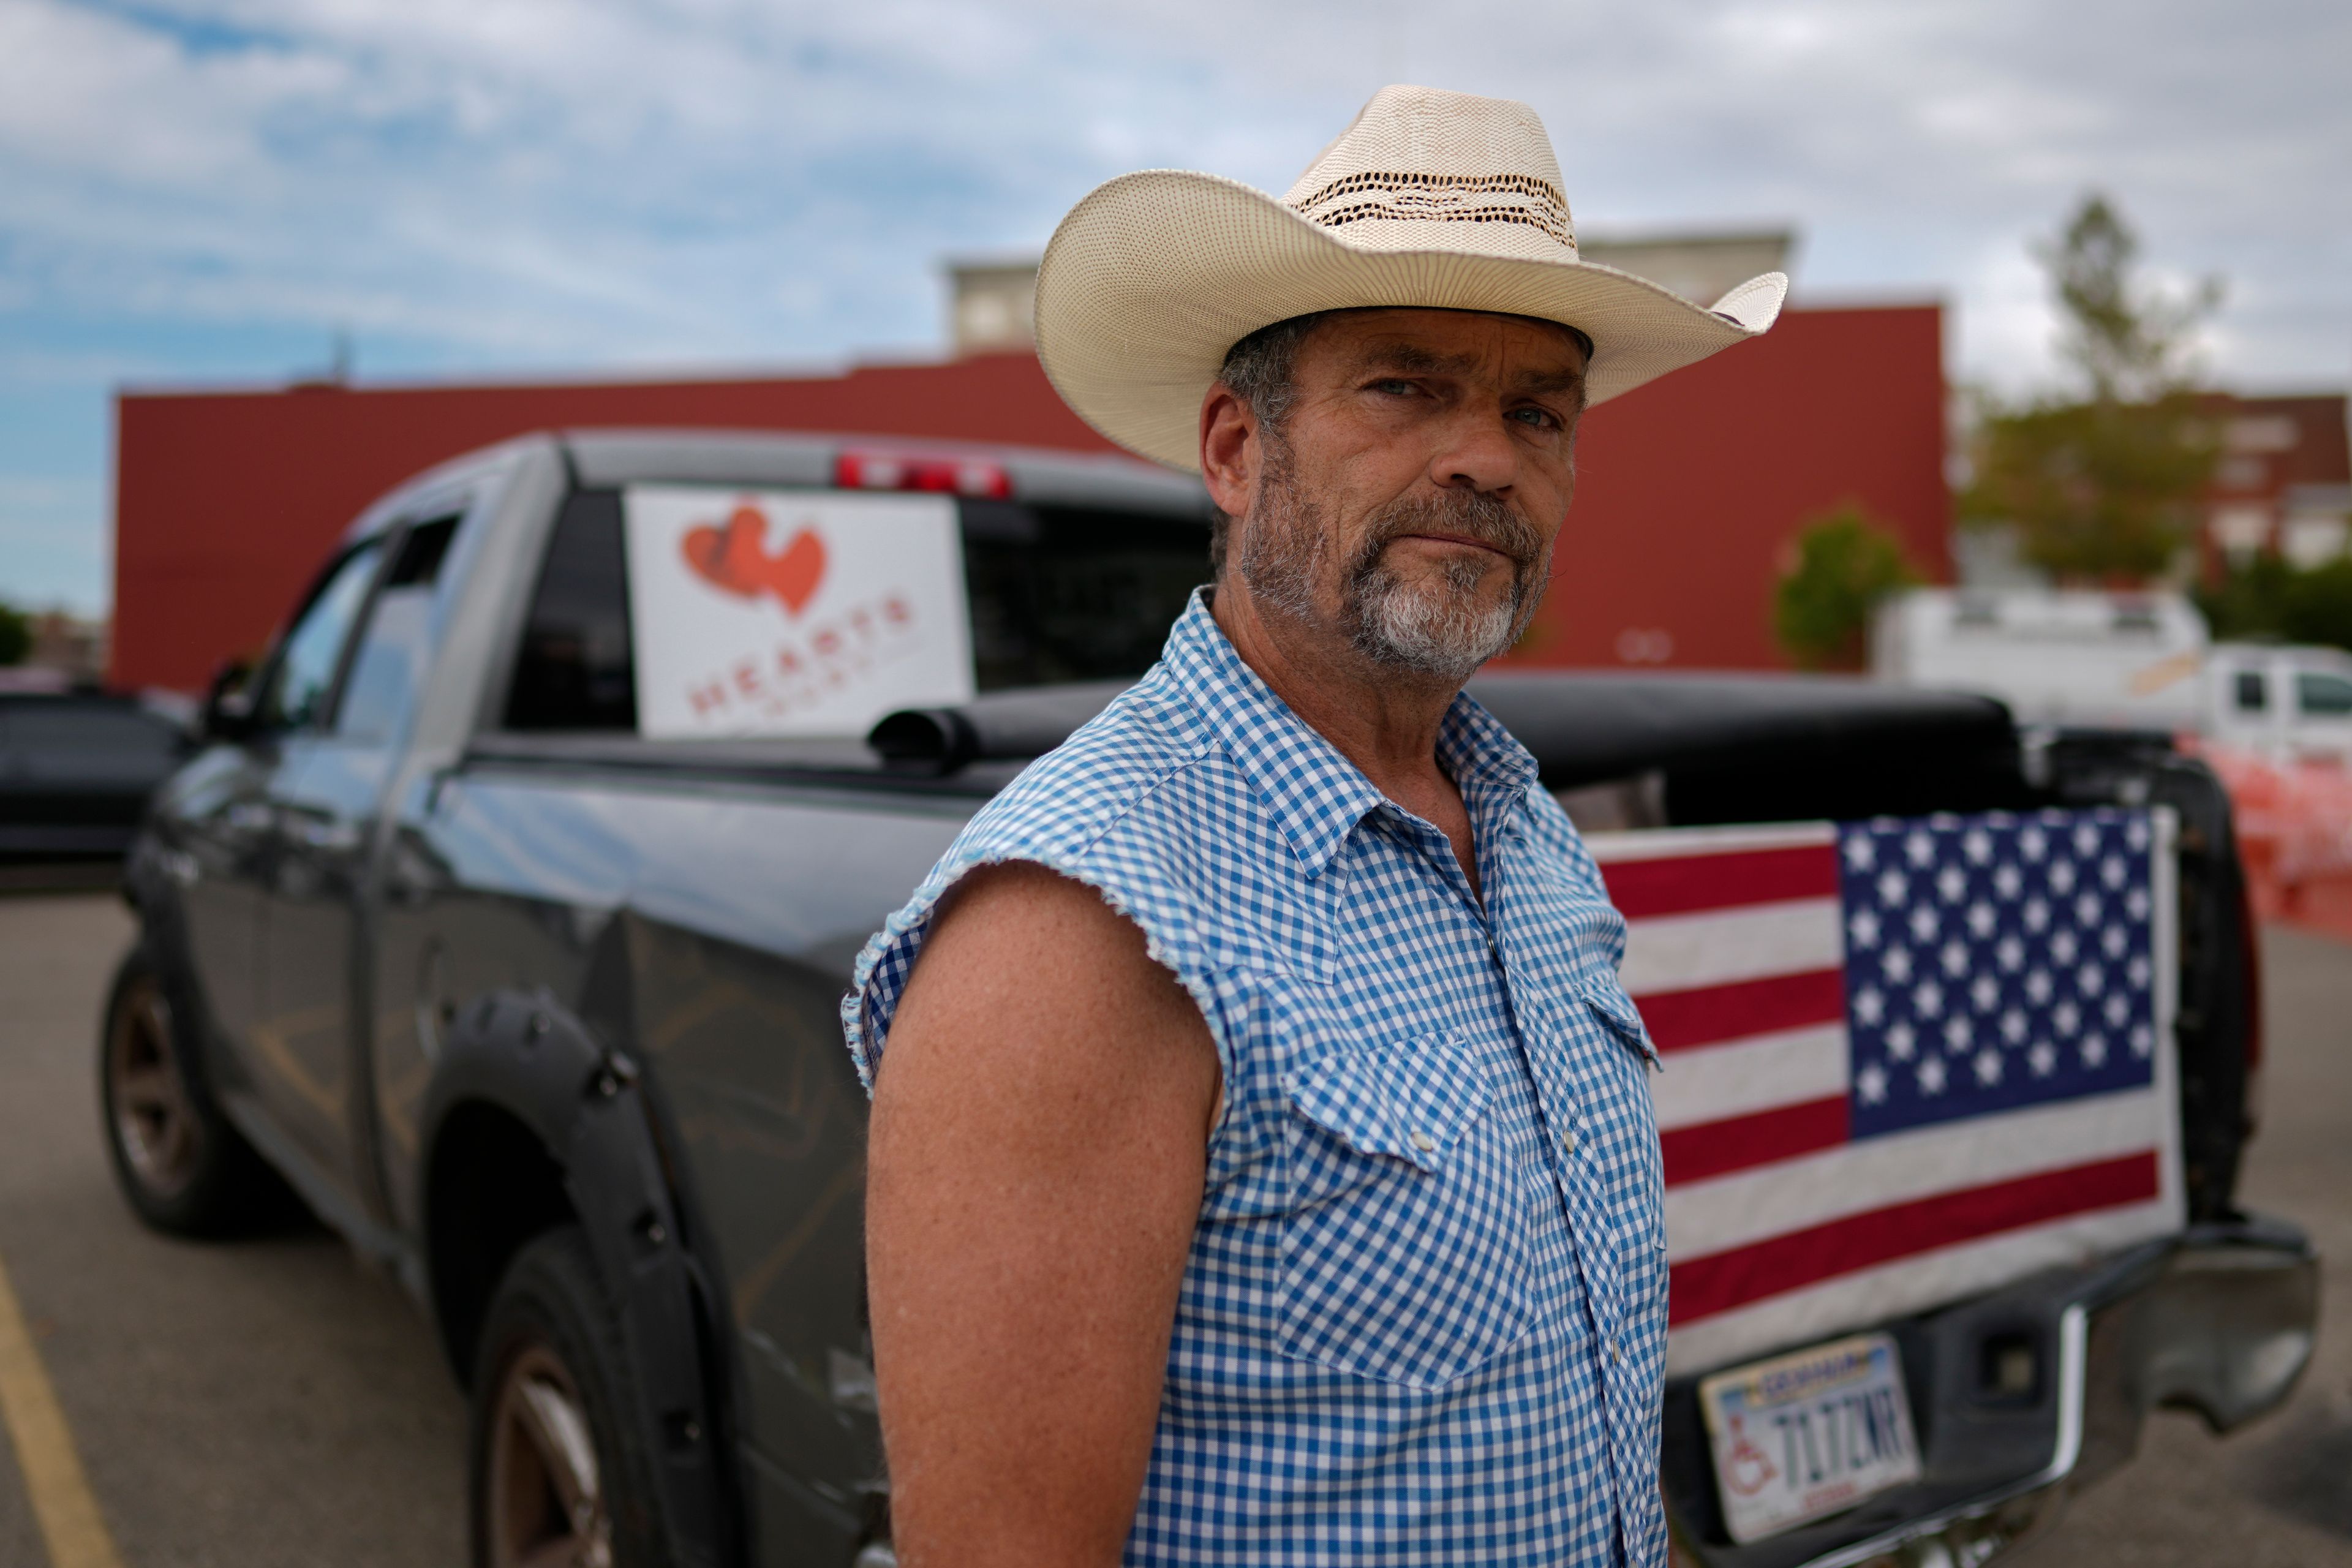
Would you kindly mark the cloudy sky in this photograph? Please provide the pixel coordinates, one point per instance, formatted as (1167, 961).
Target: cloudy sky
(207, 191)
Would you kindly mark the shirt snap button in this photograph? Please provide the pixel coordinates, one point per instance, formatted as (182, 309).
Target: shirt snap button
(1424, 1142)
(1568, 1143)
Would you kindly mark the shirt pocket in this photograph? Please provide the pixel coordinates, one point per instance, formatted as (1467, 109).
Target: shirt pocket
(1607, 1001)
(1403, 1247)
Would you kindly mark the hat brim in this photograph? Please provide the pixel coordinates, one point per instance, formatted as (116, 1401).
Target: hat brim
(1155, 275)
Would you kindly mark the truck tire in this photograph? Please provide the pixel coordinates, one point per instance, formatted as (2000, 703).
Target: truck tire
(560, 1469)
(182, 1165)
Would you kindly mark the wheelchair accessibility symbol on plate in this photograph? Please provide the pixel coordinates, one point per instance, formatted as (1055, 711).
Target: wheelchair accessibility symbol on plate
(1746, 1470)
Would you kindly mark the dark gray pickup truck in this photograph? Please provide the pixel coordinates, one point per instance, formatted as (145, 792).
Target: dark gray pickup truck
(455, 927)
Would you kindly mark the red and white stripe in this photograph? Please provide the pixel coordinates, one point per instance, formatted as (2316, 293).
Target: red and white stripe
(1778, 1230)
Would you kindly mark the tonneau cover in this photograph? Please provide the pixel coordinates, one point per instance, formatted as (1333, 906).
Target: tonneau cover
(1731, 747)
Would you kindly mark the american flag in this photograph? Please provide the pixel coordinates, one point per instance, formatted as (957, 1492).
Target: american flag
(1906, 1060)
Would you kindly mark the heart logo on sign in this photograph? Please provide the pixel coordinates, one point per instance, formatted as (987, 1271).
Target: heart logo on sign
(734, 559)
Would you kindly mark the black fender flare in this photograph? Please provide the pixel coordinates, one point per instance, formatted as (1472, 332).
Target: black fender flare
(521, 1053)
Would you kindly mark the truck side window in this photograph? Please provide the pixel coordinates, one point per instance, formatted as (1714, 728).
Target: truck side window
(2324, 695)
(303, 680)
(396, 642)
(2254, 691)
(576, 669)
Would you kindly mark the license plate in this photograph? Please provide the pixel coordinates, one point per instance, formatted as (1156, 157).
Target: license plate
(1807, 1434)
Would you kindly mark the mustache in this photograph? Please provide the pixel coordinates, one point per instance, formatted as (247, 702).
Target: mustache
(1477, 515)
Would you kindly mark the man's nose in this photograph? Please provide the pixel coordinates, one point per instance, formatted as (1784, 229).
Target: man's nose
(1476, 455)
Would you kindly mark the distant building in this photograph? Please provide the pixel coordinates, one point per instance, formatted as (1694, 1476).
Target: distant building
(1701, 268)
(992, 305)
(66, 652)
(2282, 483)
(991, 302)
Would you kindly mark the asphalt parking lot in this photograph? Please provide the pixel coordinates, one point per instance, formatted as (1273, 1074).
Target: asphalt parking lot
(273, 1402)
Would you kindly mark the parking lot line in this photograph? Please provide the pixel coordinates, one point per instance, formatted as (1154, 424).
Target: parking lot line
(68, 1515)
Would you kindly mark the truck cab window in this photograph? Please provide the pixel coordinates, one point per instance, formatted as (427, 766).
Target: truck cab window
(1058, 592)
(2324, 695)
(575, 668)
(1065, 592)
(397, 640)
(2254, 691)
(302, 684)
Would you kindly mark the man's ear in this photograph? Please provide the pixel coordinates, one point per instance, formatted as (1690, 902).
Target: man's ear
(1230, 450)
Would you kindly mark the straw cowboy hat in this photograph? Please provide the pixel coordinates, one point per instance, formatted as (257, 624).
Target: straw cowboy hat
(1431, 199)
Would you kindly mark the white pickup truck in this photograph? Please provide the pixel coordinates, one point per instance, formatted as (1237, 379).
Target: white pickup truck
(2119, 661)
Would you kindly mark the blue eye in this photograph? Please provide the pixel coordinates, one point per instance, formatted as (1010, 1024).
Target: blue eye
(1535, 416)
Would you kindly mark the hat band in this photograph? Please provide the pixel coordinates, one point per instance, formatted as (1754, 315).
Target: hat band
(1442, 199)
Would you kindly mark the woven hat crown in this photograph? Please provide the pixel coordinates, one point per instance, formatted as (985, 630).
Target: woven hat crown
(1418, 164)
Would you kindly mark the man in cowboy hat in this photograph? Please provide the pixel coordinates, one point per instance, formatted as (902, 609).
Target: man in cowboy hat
(1262, 1163)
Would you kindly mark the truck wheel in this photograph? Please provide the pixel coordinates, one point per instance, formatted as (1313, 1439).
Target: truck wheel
(184, 1167)
(560, 1471)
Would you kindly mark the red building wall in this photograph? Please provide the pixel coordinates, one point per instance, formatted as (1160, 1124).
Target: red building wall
(226, 502)
(1690, 491)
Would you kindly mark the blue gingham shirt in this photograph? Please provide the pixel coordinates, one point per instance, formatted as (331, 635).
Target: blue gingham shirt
(1424, 1318)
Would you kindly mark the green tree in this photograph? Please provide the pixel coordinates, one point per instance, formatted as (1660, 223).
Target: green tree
(2266, 598)
(15, 634)
(1846, 564)
(2106, 486)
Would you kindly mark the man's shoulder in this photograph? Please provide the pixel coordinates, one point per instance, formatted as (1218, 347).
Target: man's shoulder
(1068, 801)
(1148, 805)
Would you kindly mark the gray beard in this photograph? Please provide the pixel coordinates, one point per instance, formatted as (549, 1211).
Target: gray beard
(1435, 629)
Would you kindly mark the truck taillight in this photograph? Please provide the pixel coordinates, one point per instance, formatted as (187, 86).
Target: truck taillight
(904, 471)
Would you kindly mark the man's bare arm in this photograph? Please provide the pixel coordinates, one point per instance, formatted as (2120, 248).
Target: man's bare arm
(1034, 1174)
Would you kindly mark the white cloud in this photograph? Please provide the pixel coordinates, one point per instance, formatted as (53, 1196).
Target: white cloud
(671, 175)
